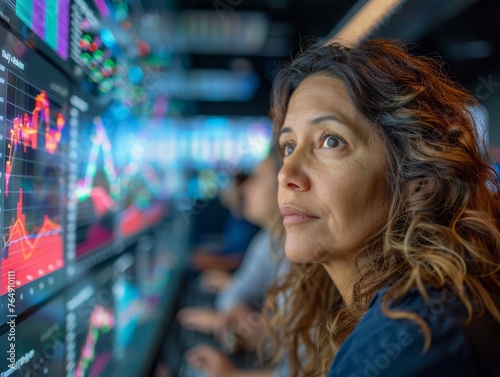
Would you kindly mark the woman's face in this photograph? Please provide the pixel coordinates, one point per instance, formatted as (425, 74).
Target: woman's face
(332, 187)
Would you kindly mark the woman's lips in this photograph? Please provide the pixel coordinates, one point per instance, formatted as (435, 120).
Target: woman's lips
(294, 215)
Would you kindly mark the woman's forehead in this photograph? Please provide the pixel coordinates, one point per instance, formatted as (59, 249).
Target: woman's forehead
(321, 98)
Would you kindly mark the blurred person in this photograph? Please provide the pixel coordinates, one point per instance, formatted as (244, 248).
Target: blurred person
(259, 267)
(196, 321)
(237, 317)
(237, 234)
(391, 213)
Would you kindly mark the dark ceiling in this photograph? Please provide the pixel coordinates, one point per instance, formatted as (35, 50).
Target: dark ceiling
(462, 32)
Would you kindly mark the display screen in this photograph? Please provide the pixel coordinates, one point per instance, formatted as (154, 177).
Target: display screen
(140, 180)
(36, 345)
(48, 19)
(92, 210)
(223, 143)
(90, 323)
(89, 331)
(93, 47)
(33, 146)
(95, 190)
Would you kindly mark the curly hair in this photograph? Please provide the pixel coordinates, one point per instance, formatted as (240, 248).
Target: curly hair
(443, 226)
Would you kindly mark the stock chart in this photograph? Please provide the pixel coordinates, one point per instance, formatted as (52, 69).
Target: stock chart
(33, 146)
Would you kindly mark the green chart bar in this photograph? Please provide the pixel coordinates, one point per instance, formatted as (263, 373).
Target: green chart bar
(24, 9)
(51, 23)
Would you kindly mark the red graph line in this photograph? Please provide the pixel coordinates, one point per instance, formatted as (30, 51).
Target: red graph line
(53, 136)
(25, 131)
(32, 255)
(19, 234)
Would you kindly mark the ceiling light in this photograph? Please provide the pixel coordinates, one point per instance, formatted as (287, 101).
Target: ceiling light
(369, 15)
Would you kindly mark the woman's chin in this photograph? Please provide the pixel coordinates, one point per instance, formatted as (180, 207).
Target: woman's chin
(297, 252)
(302, 248)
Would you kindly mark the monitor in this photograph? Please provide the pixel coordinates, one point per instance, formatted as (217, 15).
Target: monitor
(33, 148)
(93, 186)
(35, 346)
(42, 24)
(90, 324)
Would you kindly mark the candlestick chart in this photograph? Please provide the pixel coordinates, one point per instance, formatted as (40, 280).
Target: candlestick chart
(34, 183)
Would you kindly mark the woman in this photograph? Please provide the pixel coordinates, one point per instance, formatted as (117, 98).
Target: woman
(391, 214)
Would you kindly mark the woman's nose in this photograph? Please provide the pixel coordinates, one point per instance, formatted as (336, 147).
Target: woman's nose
(292, 175)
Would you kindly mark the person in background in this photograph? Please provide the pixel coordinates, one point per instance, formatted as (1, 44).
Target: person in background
(237, 307)
(217, 260)
(392, 219)
(196, 314)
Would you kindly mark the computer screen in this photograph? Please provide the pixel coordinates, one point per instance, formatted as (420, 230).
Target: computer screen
(93, 186)
(33, 146)
(48, 19)
(211, 142)
(43, 25)
(35, 346)
(104, 310)
(90, 323)
(93, 48)
(141, 178)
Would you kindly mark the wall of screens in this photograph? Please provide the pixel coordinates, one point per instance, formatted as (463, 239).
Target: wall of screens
(85, 180)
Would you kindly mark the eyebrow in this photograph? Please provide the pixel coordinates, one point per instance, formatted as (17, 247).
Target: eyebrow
(313, 122)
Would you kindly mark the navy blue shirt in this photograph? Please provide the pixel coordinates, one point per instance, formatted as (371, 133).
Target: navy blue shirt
(379, 346)
(238, 233)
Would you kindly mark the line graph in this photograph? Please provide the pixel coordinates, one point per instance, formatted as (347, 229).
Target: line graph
(101, 322)
(140, 185)
(25, 129)
(32, 210)
(18, 253)
(100, 143)
(97, 192)
(103, 188)
(115, 191)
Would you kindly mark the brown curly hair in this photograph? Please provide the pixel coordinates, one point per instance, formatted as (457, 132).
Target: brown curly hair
(443, 226)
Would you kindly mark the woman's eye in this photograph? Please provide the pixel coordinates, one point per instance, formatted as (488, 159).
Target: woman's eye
(332, 142)
(288, 150)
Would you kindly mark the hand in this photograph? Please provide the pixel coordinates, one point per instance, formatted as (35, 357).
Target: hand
(203, 261)
(215, 281)
(210, 361)
(210, 261)
(162, 370)
(199, 319)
